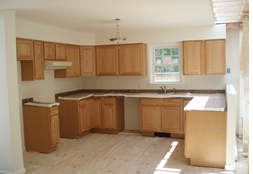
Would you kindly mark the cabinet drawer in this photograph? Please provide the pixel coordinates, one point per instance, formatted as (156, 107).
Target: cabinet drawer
(108, 101)
(82, 103)
(161, 102)
(54, 110)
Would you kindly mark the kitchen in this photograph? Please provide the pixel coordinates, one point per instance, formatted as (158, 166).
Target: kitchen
(45, 90)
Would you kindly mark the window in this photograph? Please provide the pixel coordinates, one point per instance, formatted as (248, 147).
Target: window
(166, 64)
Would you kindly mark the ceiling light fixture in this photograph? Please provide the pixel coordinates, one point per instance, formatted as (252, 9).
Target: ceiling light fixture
(118, 38)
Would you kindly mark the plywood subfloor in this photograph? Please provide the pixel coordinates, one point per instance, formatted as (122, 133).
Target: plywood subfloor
(124, 153)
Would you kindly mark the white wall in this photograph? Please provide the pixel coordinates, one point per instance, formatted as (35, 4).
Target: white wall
(174, 35)
(11, 156)
(44, 90)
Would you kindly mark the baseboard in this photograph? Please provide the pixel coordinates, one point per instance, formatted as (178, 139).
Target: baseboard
(22, 171)
(230, 167)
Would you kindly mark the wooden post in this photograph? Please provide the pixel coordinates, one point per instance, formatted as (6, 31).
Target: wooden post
(246, 85)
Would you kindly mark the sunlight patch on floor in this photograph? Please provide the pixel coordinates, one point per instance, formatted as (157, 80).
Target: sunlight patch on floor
(160, 168)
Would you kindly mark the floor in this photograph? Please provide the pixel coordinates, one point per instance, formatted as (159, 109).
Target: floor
(124, 153)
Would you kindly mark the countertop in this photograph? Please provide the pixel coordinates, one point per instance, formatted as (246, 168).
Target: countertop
(199, 102)
(41, 104)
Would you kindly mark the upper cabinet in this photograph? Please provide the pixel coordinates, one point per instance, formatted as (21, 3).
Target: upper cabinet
(215, 58)
(72, 55)
(121, 60)
(24, 49)
(59, 51)
(87, 61)
(107, 60)
(49, 50)
(132, 60)
(204, 57)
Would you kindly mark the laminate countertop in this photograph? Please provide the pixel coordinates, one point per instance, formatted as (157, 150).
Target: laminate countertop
(199, 102)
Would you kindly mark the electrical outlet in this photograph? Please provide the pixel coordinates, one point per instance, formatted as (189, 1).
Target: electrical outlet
(97, 85)
(60, 89)
(191, 85)
(24, 94)
(209, 85)
(186, 85)
(140, 85)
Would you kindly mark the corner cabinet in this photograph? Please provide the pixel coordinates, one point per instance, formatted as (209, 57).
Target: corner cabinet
(41, 128)
(72, 55)
(204, 57)
(24, 49)
(161, 115)
(121, 60)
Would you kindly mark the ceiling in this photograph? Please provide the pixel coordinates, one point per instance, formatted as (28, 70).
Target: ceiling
(98, 15)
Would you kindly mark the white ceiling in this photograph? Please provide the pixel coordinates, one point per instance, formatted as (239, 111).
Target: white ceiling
(99, 15)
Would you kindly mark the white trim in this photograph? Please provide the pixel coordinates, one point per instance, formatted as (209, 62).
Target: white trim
(230, 167)
(21, 171)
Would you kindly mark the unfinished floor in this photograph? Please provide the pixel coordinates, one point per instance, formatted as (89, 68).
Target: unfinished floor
(124, 153)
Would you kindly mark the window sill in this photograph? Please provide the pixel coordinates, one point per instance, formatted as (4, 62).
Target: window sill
(167, 84)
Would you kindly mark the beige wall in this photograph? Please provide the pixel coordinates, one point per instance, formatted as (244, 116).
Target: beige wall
(44, 90)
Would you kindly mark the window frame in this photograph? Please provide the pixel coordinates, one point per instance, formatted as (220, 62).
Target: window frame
(151, 62)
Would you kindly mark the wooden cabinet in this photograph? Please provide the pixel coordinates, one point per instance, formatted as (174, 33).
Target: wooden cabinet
(193, 56)
(185, 102)
(49, 51)
(41, 128)
(132, 60)
(205, 138)
(60, 51)
(161, 115)
(215, 59)
(72, 55)
(24, 49)
(78, 118)
(107, 60)
(150, 119)
(204, 57)
(34, 69)
(121, 60)
(87, 61)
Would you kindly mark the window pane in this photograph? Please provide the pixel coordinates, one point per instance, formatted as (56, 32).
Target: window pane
(175, 68)
(167, 59)
(175, 51)
(158, 60)
(158, 52)
(158, 77)
(167, 69)
(175, 59)
(166, 52)
(158, 69)
(171, 77)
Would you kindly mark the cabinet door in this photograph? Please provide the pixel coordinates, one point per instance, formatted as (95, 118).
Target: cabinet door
(38, 60)
(107, 60)
(24, 49)
(109, 117)
(82, 120)
(54, 130)
(131, 60)
(60, 51)
(215, 60)
(97, 114)
(90, 114)
(193, 57)
(171, 119)
(88, 62)
(49, 51)
(72, 55)
(150, 119)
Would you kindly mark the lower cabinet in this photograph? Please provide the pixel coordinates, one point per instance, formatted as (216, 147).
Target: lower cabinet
(41, 128)
(161, 115)
(78, 118)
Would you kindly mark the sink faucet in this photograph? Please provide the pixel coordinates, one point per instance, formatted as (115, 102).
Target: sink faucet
(174, 90)
(163, 89)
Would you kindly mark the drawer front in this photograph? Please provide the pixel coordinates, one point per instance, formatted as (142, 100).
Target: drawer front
(161, 102)
(54, 110)
(82, 103)
(108, 101)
